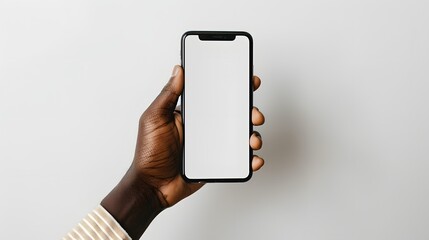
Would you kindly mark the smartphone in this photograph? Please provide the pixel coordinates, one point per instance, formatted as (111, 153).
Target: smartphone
(217, 103)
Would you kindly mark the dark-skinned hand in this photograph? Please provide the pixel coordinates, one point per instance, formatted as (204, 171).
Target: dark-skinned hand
(153, 181)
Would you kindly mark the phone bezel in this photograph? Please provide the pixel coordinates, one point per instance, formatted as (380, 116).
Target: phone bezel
(217, 36)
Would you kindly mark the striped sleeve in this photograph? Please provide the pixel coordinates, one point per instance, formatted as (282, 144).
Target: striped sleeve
(98, 224)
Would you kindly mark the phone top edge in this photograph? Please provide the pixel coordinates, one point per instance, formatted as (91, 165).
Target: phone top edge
(237, 33)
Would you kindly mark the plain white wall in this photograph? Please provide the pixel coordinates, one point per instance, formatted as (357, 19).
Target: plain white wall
(345, 94)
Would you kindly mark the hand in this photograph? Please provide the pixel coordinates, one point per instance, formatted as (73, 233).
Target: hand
(159, 146)
(154, 175)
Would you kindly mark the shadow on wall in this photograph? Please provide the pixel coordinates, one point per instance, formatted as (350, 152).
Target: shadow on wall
(231, 203)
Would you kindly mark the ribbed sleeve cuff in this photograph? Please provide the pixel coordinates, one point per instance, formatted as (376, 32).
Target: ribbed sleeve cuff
(98, 224)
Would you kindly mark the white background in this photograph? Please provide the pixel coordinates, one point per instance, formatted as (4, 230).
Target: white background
(344, 89)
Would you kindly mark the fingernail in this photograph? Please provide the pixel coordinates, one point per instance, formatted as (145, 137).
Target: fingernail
(175, 71)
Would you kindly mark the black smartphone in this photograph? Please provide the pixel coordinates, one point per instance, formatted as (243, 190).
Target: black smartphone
(217, 103)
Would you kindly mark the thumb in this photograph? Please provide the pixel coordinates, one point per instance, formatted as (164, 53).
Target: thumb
(167, 98)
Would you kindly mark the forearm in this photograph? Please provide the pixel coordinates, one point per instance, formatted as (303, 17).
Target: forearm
(134, 204)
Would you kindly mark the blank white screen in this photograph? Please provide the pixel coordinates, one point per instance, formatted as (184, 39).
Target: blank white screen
(216, 108)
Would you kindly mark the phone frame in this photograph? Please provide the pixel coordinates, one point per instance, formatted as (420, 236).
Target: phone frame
(217, 36)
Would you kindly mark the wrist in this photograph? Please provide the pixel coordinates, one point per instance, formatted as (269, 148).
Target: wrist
(133, 203)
